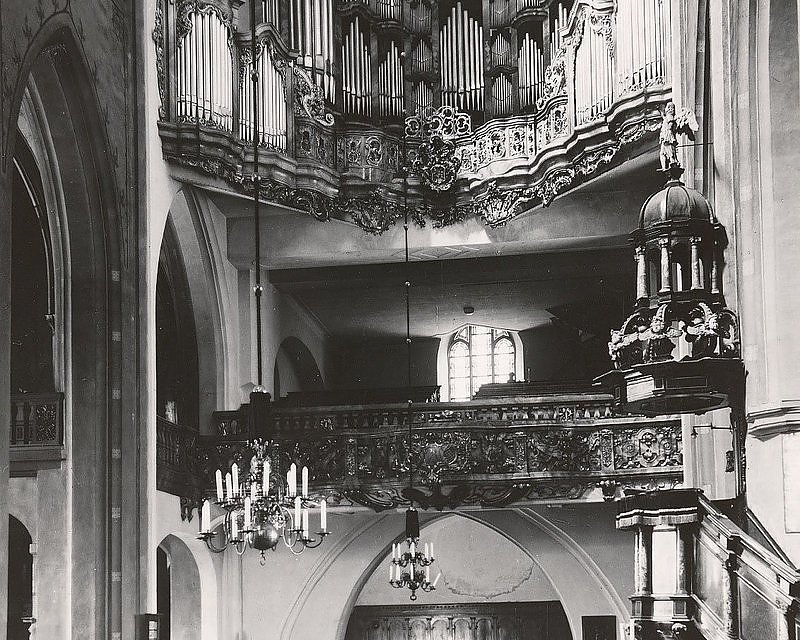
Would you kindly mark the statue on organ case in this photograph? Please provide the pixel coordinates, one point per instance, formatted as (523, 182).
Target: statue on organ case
(672, 125)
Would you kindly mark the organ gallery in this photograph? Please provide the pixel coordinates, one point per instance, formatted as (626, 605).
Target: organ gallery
(399, 320)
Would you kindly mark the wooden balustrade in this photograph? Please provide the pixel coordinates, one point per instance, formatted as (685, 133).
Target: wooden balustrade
(499, 450)
(37, 431)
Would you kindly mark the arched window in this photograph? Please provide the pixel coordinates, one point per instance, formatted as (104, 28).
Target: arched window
(477, 356)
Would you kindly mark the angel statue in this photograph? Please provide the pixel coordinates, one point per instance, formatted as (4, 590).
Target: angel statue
(673, 125)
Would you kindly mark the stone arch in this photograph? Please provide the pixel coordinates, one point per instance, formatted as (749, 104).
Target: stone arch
(54, 68)
(191, 236)
(193, 588)
(296, 369)
(582, 586)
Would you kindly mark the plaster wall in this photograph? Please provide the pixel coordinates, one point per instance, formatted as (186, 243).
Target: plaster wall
(376, 364)
(40, 503)
(578, 556)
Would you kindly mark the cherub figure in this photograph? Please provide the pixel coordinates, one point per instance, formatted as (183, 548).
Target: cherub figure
(673, 125)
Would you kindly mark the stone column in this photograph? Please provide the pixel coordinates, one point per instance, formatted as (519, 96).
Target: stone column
(644, 553)
(666, 272)
(685, 560)
(697, 282)
(715, 269)
(730, 597)
(5, 385)
(641, 274)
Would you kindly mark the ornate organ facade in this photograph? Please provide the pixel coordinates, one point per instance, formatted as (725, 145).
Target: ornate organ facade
(494, 105)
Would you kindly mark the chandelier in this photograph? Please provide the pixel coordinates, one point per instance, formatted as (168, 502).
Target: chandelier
(412, 568)
(260, 511)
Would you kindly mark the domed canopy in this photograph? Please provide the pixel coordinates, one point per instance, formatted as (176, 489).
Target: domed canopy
(675, 202)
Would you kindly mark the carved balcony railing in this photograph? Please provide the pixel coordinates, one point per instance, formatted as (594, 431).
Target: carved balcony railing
(545, 94)
(699, 574)
(37, 432)
(491, 452)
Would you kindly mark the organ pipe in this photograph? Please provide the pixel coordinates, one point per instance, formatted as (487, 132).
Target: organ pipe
(531, 72)
(272, 105)
(389, 9)
(641, 44)
(311, 33)
(501, 96)
(499, 14)
(593, 72)
(461, 51)
(390, 83)
(205, 71)
(356, 71)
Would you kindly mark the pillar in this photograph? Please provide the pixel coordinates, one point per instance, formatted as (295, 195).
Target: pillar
(685, 560)
(5, 385)
(730, 597)
(715, 269)
(644, 554)
(666, 272)
(697, 281)
(641, 274)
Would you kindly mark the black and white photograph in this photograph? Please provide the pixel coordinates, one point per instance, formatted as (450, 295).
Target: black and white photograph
(399, 319)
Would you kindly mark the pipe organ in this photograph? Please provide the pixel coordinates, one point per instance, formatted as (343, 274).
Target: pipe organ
(549, 62)
(205, 71)
(271, 104)
(560, 15)
(269, 12)
(593, 75)
(461, 52)
(389, 9)
(531, 72)
(501, 92)
(641, 43)
(311, 33)
(390, 83)
(356, 71)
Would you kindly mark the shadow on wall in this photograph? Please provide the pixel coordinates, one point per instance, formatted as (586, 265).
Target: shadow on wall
(295, 368)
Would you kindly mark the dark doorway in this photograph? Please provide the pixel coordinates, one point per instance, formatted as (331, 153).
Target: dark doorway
(20, 581)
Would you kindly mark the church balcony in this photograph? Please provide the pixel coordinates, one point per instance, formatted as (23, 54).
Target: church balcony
(37, 432)
(530, 106)
(490, 452)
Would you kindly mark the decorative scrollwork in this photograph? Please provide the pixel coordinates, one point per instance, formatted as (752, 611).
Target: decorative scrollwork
(310, 98)
(161, 70)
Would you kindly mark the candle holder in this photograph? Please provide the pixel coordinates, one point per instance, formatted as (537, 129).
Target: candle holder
(417, 562)
(261, 509)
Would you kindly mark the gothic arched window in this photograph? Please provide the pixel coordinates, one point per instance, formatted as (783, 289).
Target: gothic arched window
(476, 356)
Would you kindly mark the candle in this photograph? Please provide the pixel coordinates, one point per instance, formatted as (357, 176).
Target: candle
(247, 514)
(228, 486)
(289, 483)
(205, 517)
(235, 472)
(413, 549)
(427, 574)
(297, 512)
(394, 551)
(293, 479)
(265, 478)
(438, 575)
(323, 515)
(220, 495)
(305, 523)
(391, 572)
(253, 489)
(431, 551)
(426, 551)
(234, 527)
(305, 482)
